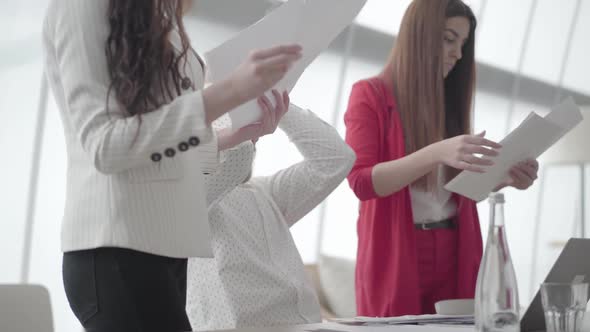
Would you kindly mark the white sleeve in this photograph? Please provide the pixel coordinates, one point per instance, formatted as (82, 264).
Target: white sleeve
(327, 160)
(76, 34)
(209, 155)
(233, 169)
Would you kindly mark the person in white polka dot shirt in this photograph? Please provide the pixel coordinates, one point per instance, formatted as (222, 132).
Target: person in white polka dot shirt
(257, 277)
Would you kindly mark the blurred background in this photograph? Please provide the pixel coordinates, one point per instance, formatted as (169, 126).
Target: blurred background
(530, 54)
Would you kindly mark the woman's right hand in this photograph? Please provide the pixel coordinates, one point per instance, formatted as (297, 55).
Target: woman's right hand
(271, 116)
(459, 152)
(262, 70)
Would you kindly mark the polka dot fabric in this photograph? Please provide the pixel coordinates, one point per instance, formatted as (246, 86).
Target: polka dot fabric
(257, 277)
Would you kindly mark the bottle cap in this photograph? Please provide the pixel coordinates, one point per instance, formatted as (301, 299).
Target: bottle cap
(496, 197)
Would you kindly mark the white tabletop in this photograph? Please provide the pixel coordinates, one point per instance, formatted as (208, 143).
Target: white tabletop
(334, 327)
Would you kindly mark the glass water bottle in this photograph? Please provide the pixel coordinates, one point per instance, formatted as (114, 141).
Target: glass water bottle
(496, 294)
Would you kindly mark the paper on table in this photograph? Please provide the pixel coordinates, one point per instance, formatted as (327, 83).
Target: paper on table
(313, 24)
(409, 319)
(529, 140)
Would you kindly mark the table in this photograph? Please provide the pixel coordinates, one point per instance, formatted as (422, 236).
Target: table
(334, 327)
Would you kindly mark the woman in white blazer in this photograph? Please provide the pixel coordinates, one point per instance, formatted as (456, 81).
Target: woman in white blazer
(137, 126)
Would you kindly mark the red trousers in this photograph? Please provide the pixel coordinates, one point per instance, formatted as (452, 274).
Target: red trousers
(437, 266)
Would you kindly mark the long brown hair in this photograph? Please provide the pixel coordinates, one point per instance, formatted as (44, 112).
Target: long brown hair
(146, 70)
(431, 107)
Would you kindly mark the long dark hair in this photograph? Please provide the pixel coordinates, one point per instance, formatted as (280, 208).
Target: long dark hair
(146, 70)
(431, 107)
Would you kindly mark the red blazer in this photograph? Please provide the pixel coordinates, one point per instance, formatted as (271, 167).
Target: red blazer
(386, 267)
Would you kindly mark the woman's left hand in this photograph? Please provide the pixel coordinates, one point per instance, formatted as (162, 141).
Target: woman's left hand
(271, 116)
(522, 175)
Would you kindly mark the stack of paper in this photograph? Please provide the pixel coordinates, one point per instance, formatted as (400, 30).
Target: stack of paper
(529, 140)
(410, 319)
(313, 24)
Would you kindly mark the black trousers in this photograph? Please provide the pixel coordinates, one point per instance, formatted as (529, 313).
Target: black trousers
(114, 289)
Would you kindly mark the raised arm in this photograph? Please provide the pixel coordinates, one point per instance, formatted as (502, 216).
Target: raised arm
(327, 160)
(230, 172)
(74, 38)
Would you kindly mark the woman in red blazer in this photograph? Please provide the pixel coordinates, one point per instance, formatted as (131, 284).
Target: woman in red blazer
(410, 128)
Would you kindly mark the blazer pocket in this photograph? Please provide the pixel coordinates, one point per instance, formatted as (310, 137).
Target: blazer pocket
(164, 170)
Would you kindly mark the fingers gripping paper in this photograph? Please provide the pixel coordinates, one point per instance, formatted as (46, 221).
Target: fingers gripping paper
(529, 140)
(313, 24)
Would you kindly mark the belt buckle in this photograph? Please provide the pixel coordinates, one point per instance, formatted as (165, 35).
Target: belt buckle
(424, 226)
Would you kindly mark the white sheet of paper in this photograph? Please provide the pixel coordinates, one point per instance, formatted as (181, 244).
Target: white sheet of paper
(409, 319)
(529, 140)
(313, 24)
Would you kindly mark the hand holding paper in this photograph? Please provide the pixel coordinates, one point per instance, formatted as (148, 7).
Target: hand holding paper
(263, 69)
(522, 175)
(458, 152)
(528, 141)
(271, 116)
(313, 24)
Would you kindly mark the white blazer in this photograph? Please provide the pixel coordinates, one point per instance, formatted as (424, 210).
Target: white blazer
(138, 190)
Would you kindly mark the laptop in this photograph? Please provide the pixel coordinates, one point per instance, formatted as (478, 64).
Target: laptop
(572, 264)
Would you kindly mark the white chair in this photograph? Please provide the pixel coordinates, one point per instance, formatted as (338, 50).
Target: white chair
(337, 283)
(333, 280)
(25, 308)
(572, 150)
